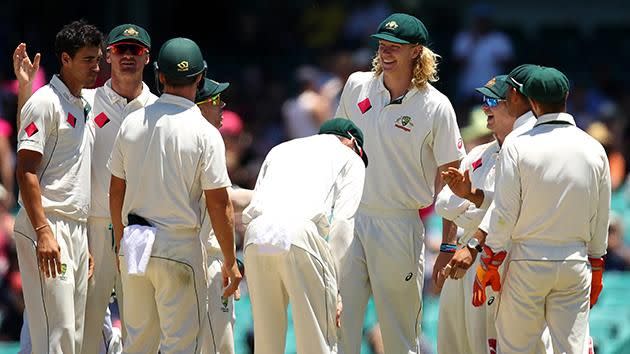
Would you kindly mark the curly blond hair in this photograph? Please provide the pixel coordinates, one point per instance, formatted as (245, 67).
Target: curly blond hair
(424, 69)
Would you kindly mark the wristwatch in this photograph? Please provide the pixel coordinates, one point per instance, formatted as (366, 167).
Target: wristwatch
(474, 244)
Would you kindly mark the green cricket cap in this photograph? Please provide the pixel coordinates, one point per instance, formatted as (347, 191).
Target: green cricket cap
(129, 33)
(209, 89)
(495, 88)
(546, 85)
(403, 29)
(180, 58)
(519, 74)
(345, 128)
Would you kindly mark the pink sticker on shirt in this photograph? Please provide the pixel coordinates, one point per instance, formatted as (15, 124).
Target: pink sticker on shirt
(72, 120)
(365, 105)
(101, 119)
(31, 129)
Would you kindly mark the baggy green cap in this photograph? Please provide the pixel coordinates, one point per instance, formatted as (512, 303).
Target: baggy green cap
(519, 74)
(495, 88)
(546, 85)
(345, 128)
(129, 33)
(210, 88)
(403, 29)
(180, 58)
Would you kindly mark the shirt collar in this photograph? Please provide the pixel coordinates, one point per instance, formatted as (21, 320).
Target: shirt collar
(179, 101)
(381, 89)
(523, 119)
(63, 90)
(114, 96)
(560, 117)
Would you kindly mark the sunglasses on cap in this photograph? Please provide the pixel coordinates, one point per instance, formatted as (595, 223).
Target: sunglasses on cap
(122, 48)
(491, 102)
(214, 100)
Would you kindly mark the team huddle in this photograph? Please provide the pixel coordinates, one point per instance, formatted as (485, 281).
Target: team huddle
(125, 191)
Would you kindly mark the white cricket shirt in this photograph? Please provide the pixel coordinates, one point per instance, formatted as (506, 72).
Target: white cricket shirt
(406, 141)
(480, 163)
(53, 124)
(521, 125)
(315, 178)
(552, 194)
(168, 155)
(108, 111)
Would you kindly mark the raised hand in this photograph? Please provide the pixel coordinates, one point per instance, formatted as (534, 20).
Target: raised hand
(23, 67)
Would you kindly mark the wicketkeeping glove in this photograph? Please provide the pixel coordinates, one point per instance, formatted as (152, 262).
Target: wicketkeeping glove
(487, 274)
(597, 281)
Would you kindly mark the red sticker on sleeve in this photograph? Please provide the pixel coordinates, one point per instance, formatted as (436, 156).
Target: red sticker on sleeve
(477, 164)
(31, 129)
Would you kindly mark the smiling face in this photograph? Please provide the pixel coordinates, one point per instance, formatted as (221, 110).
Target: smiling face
(499, 120)
(212, 110)
(396, 57)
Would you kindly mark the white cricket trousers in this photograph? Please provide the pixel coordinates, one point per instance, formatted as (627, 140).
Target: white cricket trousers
(304, 278)
(55, 306)
(464, 328)
(535, 292)
(220, 338)
(385, 259)
(101, 284)
(166, 307)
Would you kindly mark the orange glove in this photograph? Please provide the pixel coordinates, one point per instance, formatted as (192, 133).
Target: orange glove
(597, 283)
(487, 274)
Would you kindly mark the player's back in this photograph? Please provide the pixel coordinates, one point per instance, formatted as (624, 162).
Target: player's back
(562, 170)
(298, 177)
(164, 147)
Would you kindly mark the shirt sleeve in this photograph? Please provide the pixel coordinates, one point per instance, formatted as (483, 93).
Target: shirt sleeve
(507, 200)
(599, 224)
(214, 173)
(347, 198)
(342, 109)
(38, 120)
(116, 163)
(448, 145)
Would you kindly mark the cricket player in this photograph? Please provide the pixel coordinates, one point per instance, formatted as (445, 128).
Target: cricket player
(412, 135)
(307, 193)
(463, 328)
(221, 316)
(53, 172)
(552, 198)
(128, 48)
(164, 158)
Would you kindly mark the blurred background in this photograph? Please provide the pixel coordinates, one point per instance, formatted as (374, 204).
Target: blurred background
(287, 64)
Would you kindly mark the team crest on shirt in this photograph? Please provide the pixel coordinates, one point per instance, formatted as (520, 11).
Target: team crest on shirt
(101, 119)
(404, 123)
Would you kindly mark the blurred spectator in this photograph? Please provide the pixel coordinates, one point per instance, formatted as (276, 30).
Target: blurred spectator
(601, 133)
(7, 165)
(362, 21)
(618, 254)
(237, 144)
(586, 104)
(305, 113)
(480, 52)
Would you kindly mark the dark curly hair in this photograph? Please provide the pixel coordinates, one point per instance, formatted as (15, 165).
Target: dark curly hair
(75, 36)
